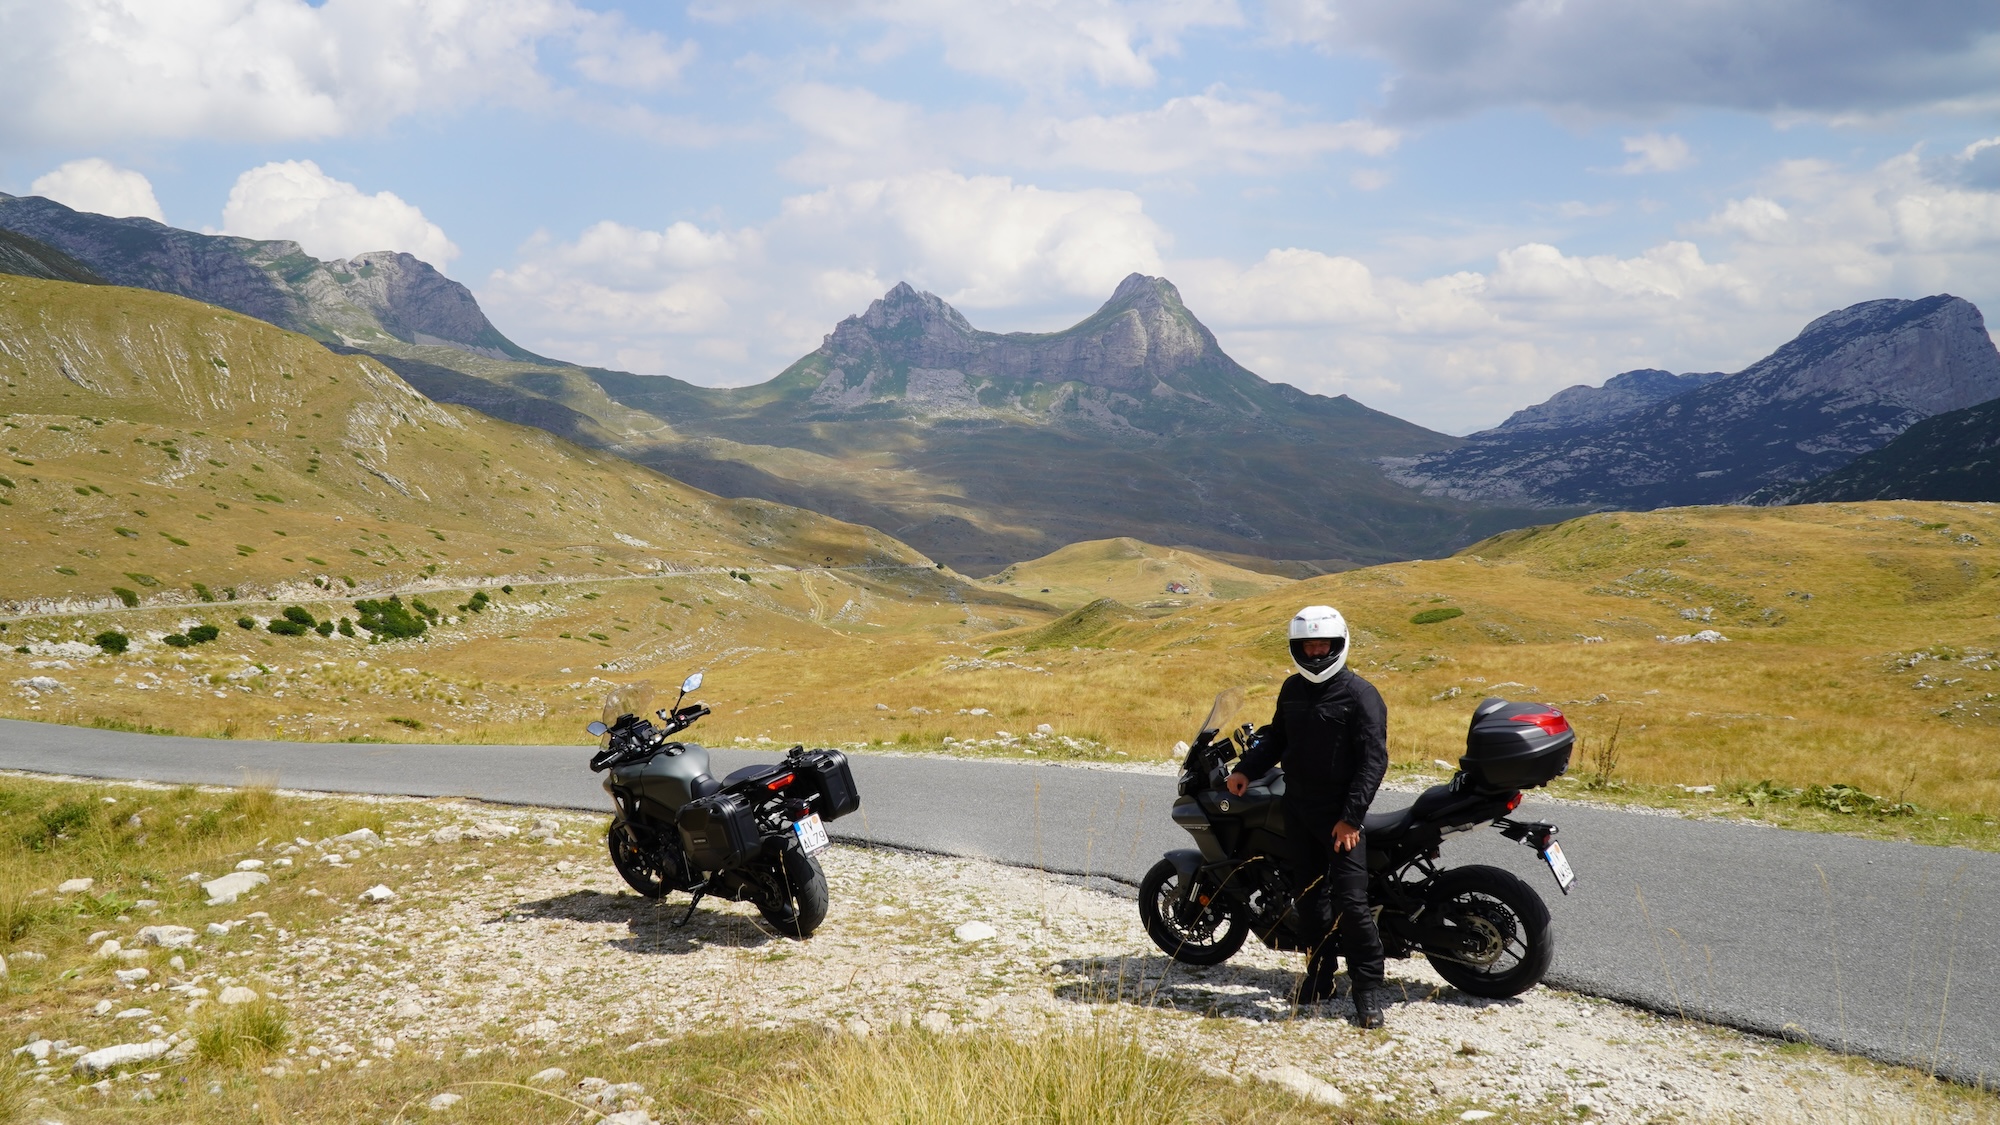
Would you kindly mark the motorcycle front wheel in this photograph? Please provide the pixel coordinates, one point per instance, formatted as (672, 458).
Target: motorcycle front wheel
(630, 861)
(796, 901)
(1488, 932)
(1184, 928)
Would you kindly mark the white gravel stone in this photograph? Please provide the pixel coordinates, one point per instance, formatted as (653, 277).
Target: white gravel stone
(1304, 1085)
(540, 1029)
(237, 994)
(133, 1014)
(37, 1051)
(628, 1117)
(125, 1054)
(132, 976)
(969, 932)
(937, 1023)
(223, 891)
(408, 1009)
(75, 886)
(449, 834)
(360, 837)
(250, 865)
(445, 1101)
(377, 893)
(110, 948)
(166, 937)
(551, 1075)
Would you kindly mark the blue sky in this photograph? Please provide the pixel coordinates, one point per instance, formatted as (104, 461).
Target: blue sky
(1445, 208)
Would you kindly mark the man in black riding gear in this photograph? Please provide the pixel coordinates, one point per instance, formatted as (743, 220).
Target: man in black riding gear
(1330, 732)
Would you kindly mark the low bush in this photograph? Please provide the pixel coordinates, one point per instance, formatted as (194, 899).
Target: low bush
(202, 634)
(346, 627)
(285, 628)
(242, 1034)
(176, 640)
(389, 619)
(1433, 616)
(112, 641)
(246, 623)
(129, 597)
(298, 615)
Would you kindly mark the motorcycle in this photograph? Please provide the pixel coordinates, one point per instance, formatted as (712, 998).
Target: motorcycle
(1482, 928)
(753, 836)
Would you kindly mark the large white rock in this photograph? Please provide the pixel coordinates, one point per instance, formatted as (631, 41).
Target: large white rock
(237, 994)
(969, 932)
(75, 886)
(166, 937)
(132, 976)
(377, 893)
(223, 891)
(250, 865)
(36, 1051)
(358, 838)
(1305, 1085)
(125, 1054)
(552, 1074)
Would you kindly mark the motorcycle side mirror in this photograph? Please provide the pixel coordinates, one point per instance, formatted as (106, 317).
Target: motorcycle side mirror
(597, 728)
(692, 683)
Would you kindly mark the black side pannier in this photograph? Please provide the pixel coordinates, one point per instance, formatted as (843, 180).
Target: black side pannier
(718, 831)
(831, 782)
(1516, 745)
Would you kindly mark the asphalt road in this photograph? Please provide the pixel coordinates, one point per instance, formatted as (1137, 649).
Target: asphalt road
(1888, 950)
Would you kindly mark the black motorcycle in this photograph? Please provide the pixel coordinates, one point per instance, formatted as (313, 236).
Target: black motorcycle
(1481, 928)
(753, 836)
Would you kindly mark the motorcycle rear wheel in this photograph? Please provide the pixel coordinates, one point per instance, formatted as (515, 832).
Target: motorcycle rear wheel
(630, 861)
(1498, 941)
(1181, 926)
(800, 904)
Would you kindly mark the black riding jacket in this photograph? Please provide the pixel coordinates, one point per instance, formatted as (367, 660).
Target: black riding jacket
(1332, 739)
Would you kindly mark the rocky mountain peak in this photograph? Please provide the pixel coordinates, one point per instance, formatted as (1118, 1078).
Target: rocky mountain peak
(1844, 386)
(1621, 394)
(372, 301)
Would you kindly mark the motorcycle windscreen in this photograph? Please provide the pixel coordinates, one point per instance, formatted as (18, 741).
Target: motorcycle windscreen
(629, 699)
(1226, 705)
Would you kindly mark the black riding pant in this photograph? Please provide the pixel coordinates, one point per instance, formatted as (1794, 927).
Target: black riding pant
(1331, 890)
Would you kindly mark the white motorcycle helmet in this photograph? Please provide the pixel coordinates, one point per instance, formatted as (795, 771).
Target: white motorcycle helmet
(1319, 622)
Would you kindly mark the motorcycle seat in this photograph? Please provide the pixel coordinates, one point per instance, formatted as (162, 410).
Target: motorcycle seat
(752, 773)
(1385, 827)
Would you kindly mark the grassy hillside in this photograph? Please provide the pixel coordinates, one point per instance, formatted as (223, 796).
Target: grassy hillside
(1136, 573)
(210, 468)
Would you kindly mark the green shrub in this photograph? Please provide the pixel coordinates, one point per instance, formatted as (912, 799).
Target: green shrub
(129, 597)
(112, 641)
(411, 724)
(176, 640)
(506, 589)
(202, 634)
(1433, 616)
(297, 615)
(201, 591)
(346, 627)
(246, 623)
(388, 619)
(1672, 543)
(429, 611)
(285, 628)
(324, 628)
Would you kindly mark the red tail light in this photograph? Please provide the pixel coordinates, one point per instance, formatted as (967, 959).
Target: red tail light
(777, 783)
(1513, 802)
(1550, 720)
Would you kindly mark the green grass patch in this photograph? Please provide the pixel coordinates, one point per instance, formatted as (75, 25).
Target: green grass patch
(1433, 616)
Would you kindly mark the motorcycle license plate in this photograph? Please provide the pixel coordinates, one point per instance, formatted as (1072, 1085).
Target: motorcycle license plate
(811, 834)
(1559, 867)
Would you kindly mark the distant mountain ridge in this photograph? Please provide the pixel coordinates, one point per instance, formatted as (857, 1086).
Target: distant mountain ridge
(372, 300)
(1622, 394)
(1848, 383)
(979, 448)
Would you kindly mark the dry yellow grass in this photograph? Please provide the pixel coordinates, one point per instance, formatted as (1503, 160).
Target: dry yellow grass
(1861, 637)
(1138, 574)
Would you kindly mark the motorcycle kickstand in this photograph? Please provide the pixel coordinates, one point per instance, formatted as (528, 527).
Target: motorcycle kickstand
(694, 902)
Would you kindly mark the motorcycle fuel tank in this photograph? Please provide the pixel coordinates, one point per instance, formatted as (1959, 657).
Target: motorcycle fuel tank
(665, 779)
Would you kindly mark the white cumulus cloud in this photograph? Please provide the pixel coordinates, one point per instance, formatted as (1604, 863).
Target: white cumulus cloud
(736, 306)
(95, 184)
(1656, 152)
(330, 218)
(852, 131)
(75, 70)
